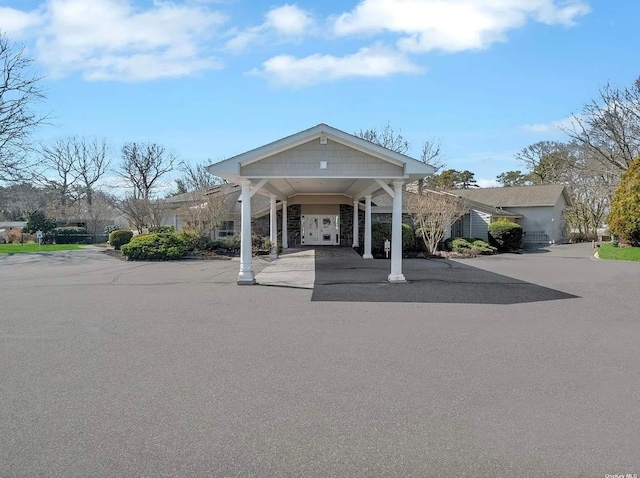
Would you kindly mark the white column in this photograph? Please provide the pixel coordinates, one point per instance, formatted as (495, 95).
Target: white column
(396, 235)
(356, 231)
(367, 228)
(246, 276)
(273, 230)
(285, 239)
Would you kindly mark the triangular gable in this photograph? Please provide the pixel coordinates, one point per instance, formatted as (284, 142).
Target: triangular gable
(232, 166)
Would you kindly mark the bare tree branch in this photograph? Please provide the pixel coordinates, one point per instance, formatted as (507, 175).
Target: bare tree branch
(19, 91)
(143, 165)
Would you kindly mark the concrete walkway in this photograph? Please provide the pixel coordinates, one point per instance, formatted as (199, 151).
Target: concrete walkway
(297, 267)
(293, 268)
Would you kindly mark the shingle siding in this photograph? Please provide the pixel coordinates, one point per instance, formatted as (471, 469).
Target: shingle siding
(304, 160)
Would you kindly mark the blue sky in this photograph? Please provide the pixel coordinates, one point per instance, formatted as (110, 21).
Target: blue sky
(213, 78)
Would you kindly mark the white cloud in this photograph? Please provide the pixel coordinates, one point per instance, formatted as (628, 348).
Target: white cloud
(282, 23)
(112, 39)
(487, 183)
(555, 127)
(15, 23)
(376, 61)
(453, 25)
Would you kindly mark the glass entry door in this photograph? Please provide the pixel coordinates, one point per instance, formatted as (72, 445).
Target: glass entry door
(320, 230)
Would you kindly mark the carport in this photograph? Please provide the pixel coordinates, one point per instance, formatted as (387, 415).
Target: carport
(321, 170)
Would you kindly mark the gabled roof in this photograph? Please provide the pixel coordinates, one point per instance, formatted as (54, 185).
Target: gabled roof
(201, 194)
(384, 202)
(516, 196)
(232, 165)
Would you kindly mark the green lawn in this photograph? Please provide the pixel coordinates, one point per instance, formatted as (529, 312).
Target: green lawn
(23, 248)
(607, 251)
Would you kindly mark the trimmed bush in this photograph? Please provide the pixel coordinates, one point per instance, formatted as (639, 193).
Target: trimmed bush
(119, 238)
(505, 235)
(624, 218)
(155, 247)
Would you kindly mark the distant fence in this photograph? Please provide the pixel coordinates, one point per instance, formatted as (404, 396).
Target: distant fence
(52, 238)
(535, 237)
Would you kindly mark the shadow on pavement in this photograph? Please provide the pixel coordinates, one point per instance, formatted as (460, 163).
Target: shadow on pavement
(429, 281)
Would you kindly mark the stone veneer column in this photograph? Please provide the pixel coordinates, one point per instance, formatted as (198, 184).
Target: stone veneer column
(356, 233)
(285, 236)
(367, 228)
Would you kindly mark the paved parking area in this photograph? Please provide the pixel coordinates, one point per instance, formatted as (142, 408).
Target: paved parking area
(112, 368)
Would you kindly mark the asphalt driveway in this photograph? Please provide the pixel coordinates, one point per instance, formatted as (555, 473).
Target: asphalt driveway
(111, 368)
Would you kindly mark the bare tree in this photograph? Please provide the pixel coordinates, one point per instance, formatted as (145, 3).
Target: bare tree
(58, 175)
(434, 212)
(135, 210)
(143, 165)
(197, 177)
(609, 126)
(99, 214)
(386, 137)
(92, 162)
(431, 156)
(19, 91)
(17, 200)
(205, 213)
(547, 162)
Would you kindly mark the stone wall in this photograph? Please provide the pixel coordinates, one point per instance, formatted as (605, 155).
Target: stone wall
(346, 225)
(293, 225)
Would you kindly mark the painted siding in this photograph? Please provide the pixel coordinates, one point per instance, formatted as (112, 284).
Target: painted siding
(304, 160)
(479, 223)
(537, 222)
(466, 226)
(559, 220)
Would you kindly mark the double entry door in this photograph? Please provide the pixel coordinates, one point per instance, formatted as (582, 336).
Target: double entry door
(320, 230)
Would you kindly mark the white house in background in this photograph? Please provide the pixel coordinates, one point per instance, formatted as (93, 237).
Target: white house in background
(540, 210)
(324, 179)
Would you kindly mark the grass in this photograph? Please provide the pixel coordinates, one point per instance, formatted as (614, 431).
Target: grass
(607, 251)
(26, 248)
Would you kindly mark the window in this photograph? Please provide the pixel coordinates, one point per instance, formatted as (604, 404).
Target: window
(226, 229)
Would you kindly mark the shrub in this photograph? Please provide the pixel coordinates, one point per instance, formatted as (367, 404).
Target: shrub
(460, 244)
(379, 232)
(193, 240)
(119, 238)
(161, 229)
(482, 247)
(14, 236)
(505, 235)
(158, 247)
(624, 218)
(109, 229)
(383, 230)
(38, 221)
(227, 245)
(582, 237)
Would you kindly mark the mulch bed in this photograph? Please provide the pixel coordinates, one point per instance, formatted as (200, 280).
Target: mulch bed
(198, 256)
